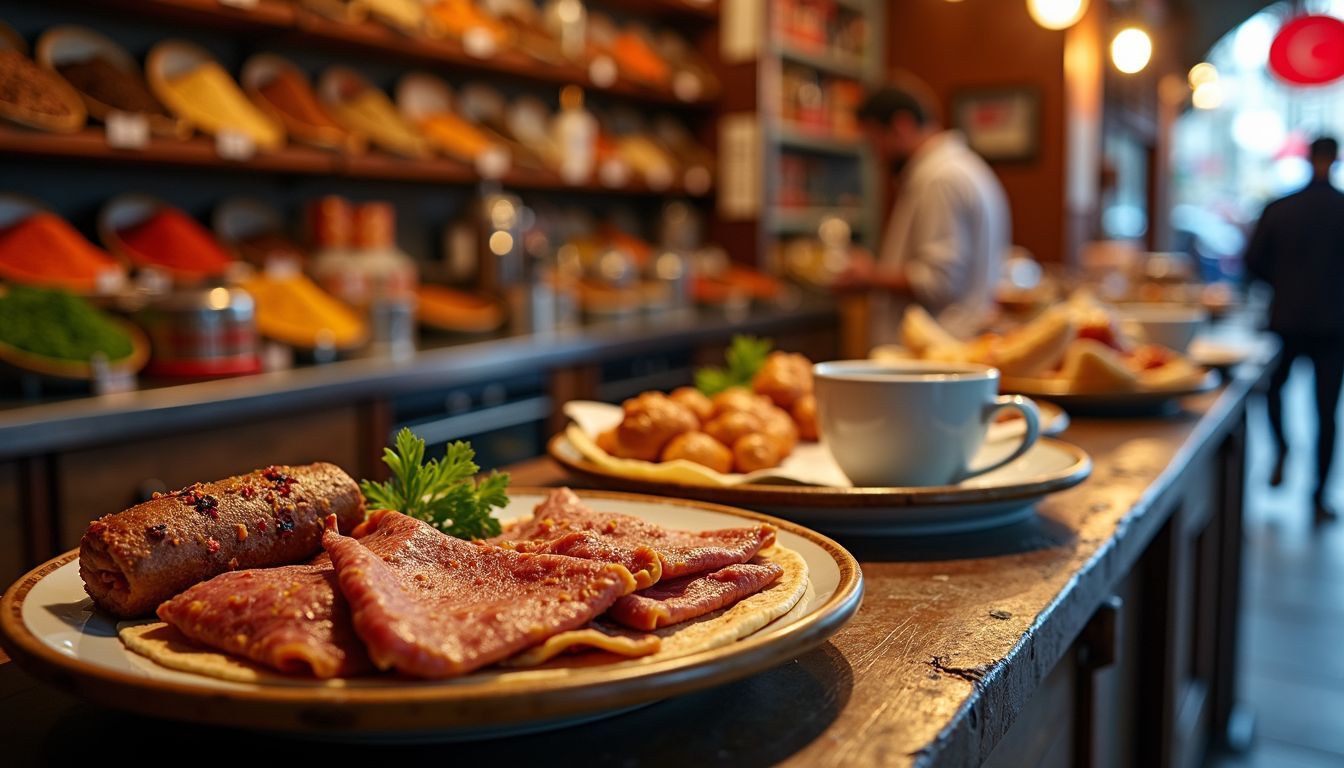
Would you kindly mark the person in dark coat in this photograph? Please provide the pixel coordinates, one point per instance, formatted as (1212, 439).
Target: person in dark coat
(1298, 250)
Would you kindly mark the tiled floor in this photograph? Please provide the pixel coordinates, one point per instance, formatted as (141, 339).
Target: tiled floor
(1292, 641)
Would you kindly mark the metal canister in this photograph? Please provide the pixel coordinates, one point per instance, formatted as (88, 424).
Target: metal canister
(201, 332)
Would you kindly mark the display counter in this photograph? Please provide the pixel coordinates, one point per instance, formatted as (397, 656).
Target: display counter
(1100, 632)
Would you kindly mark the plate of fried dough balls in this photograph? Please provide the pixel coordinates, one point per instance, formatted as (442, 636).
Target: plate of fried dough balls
(736, 434)
(740, 429)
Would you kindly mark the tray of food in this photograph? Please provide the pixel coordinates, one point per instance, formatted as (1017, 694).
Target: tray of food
(1077, 354)
(755, 443)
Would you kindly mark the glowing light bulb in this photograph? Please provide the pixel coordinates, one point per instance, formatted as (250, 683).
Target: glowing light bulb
(1202, 73)
(1131, 50)
(1207, 95)
(1056, 14)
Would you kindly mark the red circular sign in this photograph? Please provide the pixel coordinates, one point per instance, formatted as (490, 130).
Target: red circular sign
(1309, 50)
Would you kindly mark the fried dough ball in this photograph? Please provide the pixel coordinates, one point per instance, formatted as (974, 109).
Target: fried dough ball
(696, 401)
(651, 420)
(608, 442)
(733, 426)
(784, 378)
(701, 449)
(753, 452)
(739, 399)
(805, 416)
(779, 426)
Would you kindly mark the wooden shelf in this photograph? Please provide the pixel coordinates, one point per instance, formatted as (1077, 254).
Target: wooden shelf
(813, 140)
(295, 25)
(842, 66)
(667, 10)
(199, 152)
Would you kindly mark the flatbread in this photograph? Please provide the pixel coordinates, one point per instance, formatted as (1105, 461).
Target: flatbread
(167, 647)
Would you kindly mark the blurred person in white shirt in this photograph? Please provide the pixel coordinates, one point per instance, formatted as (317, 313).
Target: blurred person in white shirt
(949, 228)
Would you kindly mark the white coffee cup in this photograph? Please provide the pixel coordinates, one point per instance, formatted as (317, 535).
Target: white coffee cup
(912, 423)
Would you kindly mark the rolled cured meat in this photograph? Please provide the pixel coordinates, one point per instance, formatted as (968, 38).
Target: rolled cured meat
(133, 560)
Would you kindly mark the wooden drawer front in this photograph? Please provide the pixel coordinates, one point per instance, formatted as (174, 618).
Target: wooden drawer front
(12, 535)
(95, 482)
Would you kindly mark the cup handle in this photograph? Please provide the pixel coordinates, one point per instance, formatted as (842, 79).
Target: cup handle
(1029, 412)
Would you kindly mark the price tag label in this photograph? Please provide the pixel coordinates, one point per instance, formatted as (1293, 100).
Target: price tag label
(613, 173)
(687, 86)
(234, 145)
(127, 130)
(602, 71)
(479, 43)
(243, 5)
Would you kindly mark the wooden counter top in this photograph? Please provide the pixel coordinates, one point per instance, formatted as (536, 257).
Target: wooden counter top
(954, 635)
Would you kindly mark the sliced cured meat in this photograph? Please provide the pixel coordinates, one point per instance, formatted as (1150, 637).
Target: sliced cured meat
(287, 618)
(623, 539)
(677, 600)
(432, 606)
(643, 562)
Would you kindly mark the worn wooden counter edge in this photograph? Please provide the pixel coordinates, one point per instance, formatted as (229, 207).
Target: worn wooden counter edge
(998, 690)
(48, 427)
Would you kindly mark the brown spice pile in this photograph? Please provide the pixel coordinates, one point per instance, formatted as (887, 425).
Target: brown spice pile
(26, 85)
(102, 80)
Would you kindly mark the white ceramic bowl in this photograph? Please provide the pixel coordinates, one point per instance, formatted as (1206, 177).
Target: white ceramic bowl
(1170, 325)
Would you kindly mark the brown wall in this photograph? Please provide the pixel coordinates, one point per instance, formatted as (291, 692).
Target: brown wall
(969, 45)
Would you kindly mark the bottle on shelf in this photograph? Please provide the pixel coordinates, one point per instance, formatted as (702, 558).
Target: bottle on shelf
(567, 21)
(391, 277)
(333, 261)
(575, 130)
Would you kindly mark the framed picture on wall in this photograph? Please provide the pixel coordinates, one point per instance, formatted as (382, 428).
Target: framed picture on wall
(1000, 124)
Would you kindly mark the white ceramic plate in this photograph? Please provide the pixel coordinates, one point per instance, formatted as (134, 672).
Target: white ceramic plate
(810, 463)
(49, 627)
(1002, 497)
(1222, 355)
(1137, 402)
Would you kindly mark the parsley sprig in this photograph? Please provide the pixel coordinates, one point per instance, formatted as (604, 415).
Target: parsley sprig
(744, 357)
(440, 492)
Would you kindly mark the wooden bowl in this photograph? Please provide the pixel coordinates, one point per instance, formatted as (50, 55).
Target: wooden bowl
(28, 118)
(67, 44)
(420, 95)
(238, 218)
(15, 208)
(258, 71)
(78, 370)
(125, 211)
(339, 84)
(343, 11)
(174, 58)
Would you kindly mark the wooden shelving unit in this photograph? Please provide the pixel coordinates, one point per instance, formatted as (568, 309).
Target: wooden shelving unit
(273, 20)
(702, 11)
(842, 66)
(199, 152)
(801, 221)
(811, 140)
(781, 137)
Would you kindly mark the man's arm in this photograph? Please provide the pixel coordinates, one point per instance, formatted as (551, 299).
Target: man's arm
(938, 266)
(1259, 256)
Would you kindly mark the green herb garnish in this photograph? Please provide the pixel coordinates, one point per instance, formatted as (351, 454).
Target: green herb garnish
(440, 492)
(745, 356)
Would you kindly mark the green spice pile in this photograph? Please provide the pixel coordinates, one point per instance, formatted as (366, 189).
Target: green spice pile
(60, 325)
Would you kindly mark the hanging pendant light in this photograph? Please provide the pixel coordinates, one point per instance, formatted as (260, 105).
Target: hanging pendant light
(1131, 50)
(1056, 14)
